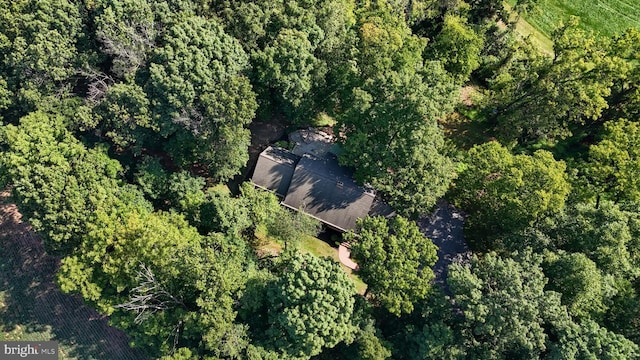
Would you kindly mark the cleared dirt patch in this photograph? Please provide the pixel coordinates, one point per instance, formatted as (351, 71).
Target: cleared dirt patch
(33, 308)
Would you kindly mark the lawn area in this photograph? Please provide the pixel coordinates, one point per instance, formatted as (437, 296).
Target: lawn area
(605, 17)
(310, 245)
(524, 28)
(320, 248)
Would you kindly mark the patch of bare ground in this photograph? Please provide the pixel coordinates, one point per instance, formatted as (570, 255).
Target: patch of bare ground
(33, 307)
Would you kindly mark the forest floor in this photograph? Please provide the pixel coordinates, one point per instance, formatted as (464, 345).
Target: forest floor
(33, 308)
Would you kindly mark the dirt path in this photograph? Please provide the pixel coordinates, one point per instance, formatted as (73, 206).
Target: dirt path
(32, 306)
(445, 228)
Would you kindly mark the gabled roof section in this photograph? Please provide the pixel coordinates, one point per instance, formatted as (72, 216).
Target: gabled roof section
(274, 170)
(327, 191)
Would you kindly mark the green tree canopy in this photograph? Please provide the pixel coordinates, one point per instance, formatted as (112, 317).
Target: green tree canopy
(58, 182)
(457, 46)
(39, 46)
(310, 306)
(395, 261)
(614, 163)
(539, 97)
(504, 305)
(202, 101)
(504, 193)
(582, 285)
(127, 31)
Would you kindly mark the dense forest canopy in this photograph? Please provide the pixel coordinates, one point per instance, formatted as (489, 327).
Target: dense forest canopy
(125, 141)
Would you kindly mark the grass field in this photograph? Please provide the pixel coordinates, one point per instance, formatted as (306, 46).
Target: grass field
(605, 17)
(33, 308)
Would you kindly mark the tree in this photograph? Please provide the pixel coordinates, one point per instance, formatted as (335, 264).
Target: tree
(505, 306)
(310, 306)
(541, 98)
(39, 48)
(457, 46)
(297, 50)
(614, 162)
(504, 193)
(625, 93)
(202, 100)
(58, 182)
(588, 340)
(387, 128)
(580, 282)
(394, 260)
(125, 116)
(607, 235)
(288, 68)
(126, 30)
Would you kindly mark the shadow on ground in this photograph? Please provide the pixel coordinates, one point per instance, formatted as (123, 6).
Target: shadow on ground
(33, 308)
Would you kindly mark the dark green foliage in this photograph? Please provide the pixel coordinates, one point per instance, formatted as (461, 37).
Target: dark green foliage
(537, 97)
(310, 306)
(38, 47)
(583, 288)
(509, 315)
(126, 118)
(504, 193)
(388, 128)
(457, 46)
(394, 260)
(607, 235)
(202, 100)
(288, 68)
(504, 305)
(169, 84)
(151, 178)
(126, 31)
(297, 48)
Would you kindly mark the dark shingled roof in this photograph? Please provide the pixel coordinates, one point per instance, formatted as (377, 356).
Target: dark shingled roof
(327, 191)
(274, 170)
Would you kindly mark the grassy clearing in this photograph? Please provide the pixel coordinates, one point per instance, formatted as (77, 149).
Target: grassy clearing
(320, 248)
(309, 245)
(525, 29)
(604, 17)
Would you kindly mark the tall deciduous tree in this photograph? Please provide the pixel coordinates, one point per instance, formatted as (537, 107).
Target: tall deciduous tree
(388, 128)
(202, 101)
(509, 315)
(126, 30)
(504, 305)
(504, 193)
(457, 46)
(581, 283)
(58, 181)
(395, 261)
(38, 47)
(614, 163)
(540, 97)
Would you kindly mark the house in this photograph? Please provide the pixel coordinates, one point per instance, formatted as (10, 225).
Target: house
(317, 185)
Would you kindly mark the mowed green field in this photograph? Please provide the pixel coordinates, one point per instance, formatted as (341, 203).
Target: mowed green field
(605, 17)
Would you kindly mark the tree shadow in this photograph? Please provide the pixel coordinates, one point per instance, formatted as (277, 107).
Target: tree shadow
(32, 304)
